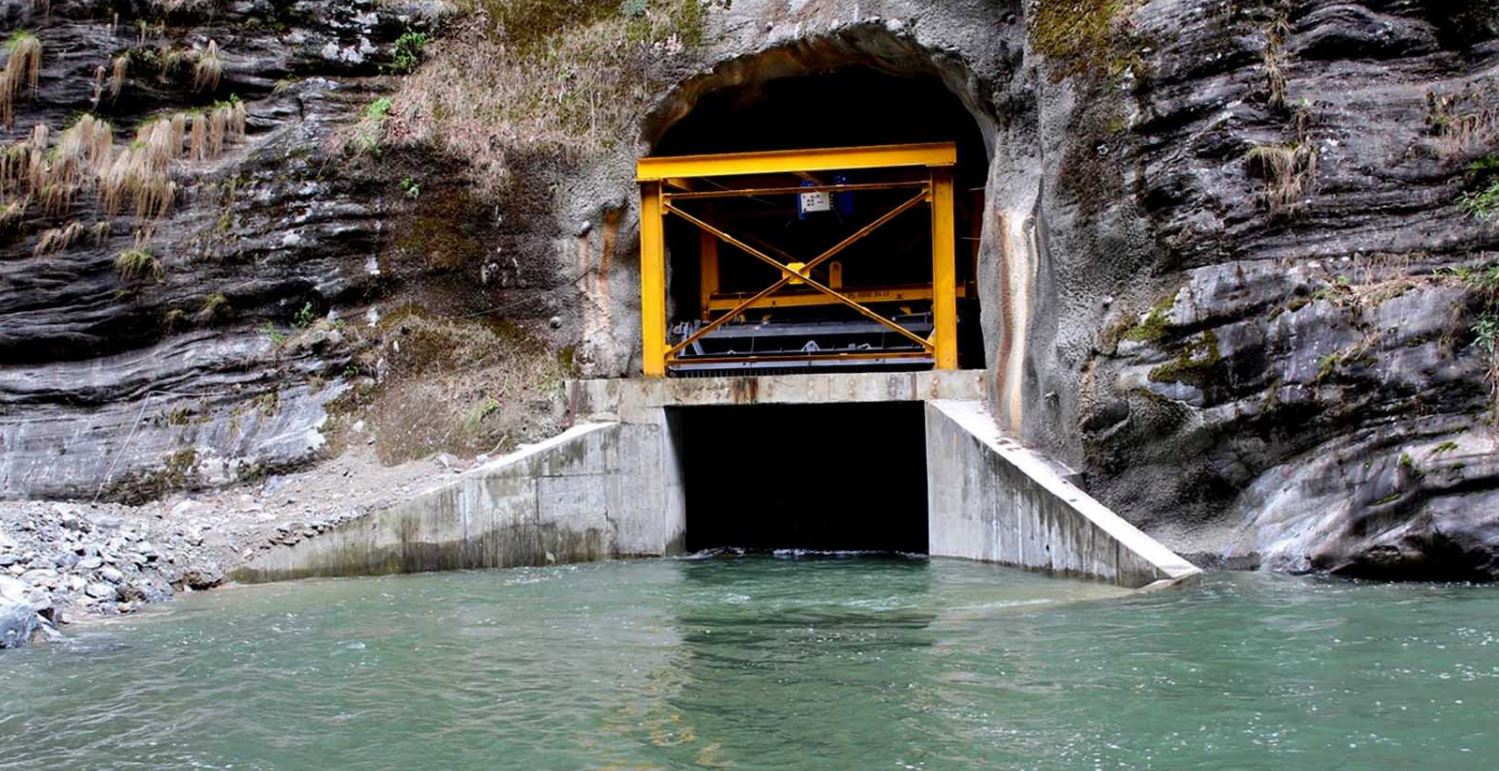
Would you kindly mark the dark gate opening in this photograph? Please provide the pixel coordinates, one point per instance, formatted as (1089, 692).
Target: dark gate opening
(825, 477)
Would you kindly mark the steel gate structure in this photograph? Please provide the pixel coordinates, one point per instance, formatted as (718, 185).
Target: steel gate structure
(688, 187)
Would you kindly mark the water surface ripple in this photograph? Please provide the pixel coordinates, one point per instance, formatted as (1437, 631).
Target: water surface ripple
(769, 663)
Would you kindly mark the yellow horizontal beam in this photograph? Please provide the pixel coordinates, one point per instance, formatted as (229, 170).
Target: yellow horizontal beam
(917, 293)
(760, 191)
(656, 169)
(791, 357)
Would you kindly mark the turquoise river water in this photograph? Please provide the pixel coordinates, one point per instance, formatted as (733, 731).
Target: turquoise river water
(769, 663)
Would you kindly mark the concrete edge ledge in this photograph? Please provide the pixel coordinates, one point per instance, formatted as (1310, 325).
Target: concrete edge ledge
(635, 400)
(518, 455)
(973, 418)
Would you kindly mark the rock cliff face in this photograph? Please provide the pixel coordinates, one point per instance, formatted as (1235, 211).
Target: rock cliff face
(1234, 265)
(264, 276)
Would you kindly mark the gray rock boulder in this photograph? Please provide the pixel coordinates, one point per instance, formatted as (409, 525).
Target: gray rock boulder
(101, 591)
(18, 613)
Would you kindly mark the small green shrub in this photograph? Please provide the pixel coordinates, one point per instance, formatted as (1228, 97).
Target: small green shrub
(411, 188)
(304, 317)
(214, 305)
(408, 52)
(1486, 330)
(276, 336)
(369, 133)
(1327, 363)
(482, 410)
(1481, 204)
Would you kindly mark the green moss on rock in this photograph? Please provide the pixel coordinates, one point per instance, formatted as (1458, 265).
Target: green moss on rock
(1080, 36)
(442, 231)
(1193, 364)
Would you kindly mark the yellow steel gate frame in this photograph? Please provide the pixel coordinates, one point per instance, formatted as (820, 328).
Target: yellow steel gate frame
(666, 179)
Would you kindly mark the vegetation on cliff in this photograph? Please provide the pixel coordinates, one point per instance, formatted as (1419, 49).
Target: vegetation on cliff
(526, 76)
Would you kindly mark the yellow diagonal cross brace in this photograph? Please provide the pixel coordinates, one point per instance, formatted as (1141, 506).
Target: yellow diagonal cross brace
(787, 274)
(749, 174)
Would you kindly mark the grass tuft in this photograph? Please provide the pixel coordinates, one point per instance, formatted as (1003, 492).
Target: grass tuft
(1482, 285)
(1276, 32)
(1480, 199)
(57, 239)
(1482, 204)
(214, 305)
(1463, 120)
(208, 69)
(119, 70)
(136, 264)
(1289, 172)
(22, 71)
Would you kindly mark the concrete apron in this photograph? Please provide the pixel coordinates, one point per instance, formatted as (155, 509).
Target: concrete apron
(612, 489)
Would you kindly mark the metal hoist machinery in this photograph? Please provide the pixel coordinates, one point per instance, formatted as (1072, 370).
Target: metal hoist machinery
(805, 259)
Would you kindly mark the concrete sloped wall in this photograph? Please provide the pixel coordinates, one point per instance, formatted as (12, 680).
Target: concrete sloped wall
(992, 500)
(596, 491)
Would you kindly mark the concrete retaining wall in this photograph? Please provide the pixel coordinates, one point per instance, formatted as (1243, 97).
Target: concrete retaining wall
(990, 499)
(594, 492)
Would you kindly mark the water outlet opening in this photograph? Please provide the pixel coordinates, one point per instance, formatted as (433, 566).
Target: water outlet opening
(819, 477)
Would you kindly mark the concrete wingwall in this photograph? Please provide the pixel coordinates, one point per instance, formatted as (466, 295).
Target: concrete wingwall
(990, 499)
(596, 491)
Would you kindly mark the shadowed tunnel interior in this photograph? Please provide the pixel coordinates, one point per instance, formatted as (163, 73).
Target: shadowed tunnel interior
(817, 476)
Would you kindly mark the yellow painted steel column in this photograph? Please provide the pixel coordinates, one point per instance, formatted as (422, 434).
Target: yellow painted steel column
(652, 281)
(708, 270)
(944, 271)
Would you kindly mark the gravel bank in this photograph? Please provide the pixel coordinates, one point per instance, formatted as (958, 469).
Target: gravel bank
(68, 559)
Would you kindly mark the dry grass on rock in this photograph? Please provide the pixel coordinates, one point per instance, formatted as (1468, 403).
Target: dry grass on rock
(22, 70)
(459, 386)
(570, 78)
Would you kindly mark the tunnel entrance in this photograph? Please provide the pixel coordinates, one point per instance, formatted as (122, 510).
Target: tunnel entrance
(825, 477)
(891, 270)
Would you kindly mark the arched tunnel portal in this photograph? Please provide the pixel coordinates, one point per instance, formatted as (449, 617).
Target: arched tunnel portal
(791, 477)
(791, 103)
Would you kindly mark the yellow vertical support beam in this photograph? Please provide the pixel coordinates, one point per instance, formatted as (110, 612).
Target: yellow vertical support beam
(652, 280)
(944, 271)
(708, 269)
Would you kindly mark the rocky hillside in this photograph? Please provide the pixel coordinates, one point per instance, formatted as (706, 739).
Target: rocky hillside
(207, 250)
(1236, 262)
